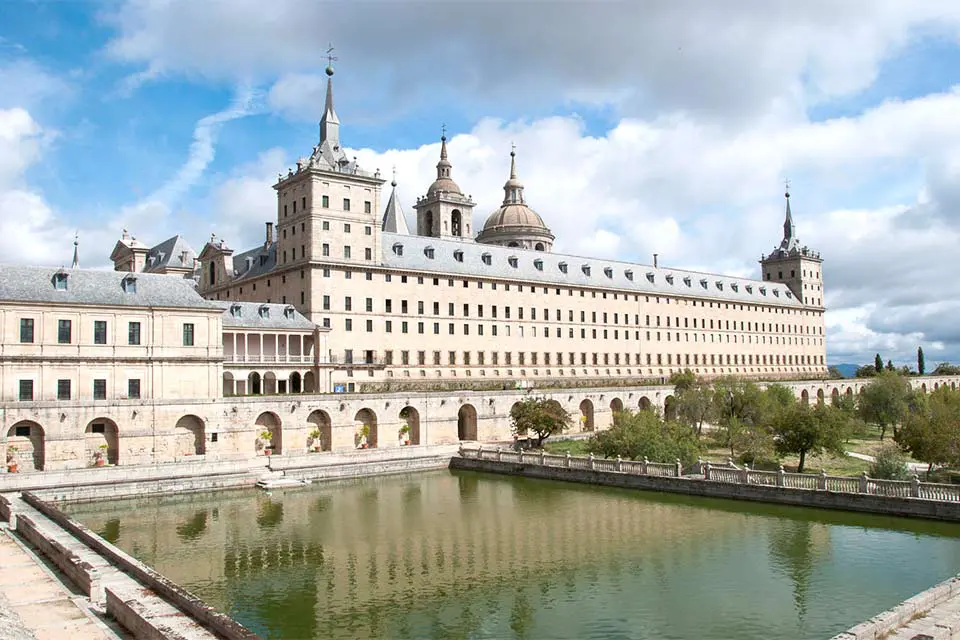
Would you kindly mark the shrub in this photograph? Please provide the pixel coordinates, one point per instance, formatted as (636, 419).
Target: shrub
(889, 464)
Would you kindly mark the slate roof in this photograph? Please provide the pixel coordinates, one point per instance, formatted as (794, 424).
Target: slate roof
(170, 254)
(102, 288)
(251, 317)
(609, 274)
(262, 260)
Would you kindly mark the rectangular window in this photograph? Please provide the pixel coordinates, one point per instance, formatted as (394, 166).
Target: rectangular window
(133, 333)
(436, 358)
(325, 203)
(388, 357)
(99, 389)
(421, 358)
(26, 390)
(326, 303)
(367, 206)
(369, 326)
(452, 357)
(346, 204)
(99, 332)
(368, 254)
(63, 389)
(188, 334)
(348, 303)
(64, 331)
(346, 253)
(348, 324)
(26, 329)
(389, 327)
(405, 358)
(133, 388)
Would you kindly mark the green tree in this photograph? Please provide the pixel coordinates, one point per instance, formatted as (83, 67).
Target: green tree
(884, 402)
(931, 432)
(890, 366)
(946, 369)
(683, 380)
(878, 363)
(645, 434)
(921, 363)
(540, 416)
(737, 405)
(833, 373)
(889, 464)
(694, 400)
(866, 371)
(803, 430)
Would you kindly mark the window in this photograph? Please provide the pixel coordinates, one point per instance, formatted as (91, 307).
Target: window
(99, 332)
(348, 303)
(486, 258)
(133, 333)
(60, 281)
(26, 329)
(100, 389)
(367, 207)
(429, 252)
(346, 204)
(458, 255)
(348, 324)
(133, 388)
(367, 230)
(368, 253)
(188, 334)
(26, 390)
(325, 203)
(129, 284)
(346, 253)
(64, 331)
(326, 223)
(63, 389)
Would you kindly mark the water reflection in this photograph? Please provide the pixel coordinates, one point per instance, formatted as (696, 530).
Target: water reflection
(461, 555)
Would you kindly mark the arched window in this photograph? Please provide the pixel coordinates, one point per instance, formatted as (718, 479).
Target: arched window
(455, 223)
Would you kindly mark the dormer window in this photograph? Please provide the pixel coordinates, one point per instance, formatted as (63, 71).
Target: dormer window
(264, 311)
(719, 285)
(538, 265)
(236, 310)
(669, 278)
(458, 255)
(288, 312)
(776, 292)
(513, 262)
(487, 259)
(763, 291)
(749, 288)
(60, 281)
(628, 274)
(650, 276)
(249, 262)
(563, 267)
(129, 284)
(735, 286)
(608, 271)
(789, 295)
(703, 283)
(397, 249)
(687, 281)
(586, 269)
(428, 252)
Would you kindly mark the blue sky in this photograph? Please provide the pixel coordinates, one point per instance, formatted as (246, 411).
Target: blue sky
(639, 129)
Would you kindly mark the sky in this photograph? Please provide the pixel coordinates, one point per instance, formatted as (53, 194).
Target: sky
(661, 126)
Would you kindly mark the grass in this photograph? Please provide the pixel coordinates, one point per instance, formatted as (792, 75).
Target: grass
(562, 447)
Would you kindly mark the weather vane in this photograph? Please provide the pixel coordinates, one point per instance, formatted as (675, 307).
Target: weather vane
(786, 184)
(330, 57)
(443, 130)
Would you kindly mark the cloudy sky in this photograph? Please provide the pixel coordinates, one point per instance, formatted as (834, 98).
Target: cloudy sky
(641, 127)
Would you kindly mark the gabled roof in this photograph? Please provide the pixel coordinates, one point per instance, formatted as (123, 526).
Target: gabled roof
(393, 219)
(172, 253)
(255, 262)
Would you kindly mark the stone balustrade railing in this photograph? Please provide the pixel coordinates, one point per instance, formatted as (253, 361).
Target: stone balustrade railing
(704, 471)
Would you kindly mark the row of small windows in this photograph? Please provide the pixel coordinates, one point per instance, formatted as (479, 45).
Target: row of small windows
(64, 389)
(61, 280)
(534, 358)
(324, 204)
(65, 332)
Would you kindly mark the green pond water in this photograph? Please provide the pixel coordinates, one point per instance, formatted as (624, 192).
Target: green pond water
(464, 555)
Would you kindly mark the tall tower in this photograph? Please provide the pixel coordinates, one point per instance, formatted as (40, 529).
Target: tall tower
(798, 267)
(444, 212)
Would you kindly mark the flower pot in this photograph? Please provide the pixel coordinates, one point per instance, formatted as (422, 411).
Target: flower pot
(98, 462)
(12, 467)
(406, 442)
(364, 445)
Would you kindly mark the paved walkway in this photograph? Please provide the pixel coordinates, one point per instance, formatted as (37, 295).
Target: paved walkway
(34, 605)
(915, 467)
(940, 623)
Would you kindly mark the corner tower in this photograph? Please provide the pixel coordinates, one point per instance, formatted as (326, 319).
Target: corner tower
(445, 212)
(798, 267)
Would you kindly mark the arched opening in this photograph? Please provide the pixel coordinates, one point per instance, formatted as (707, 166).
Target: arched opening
(586, 416)
(513, 243)
(189, 437)
(269, 382)
(936, 385)
(923, 387)
(409, 426)
(428, 224)
(819, 396)
(366, 429)
(25, 446)
(269, 433)
(309, 382)
(644, 403)
(320, 437)
(467, 423)
(670, 408)
(253, 384)
(456, 223)
(616, 405)
(229, 384)
(953, 385)
(804, 397)
(849, 392)
(835, 397)
(102, 441)
(539, 247)
(295, 383)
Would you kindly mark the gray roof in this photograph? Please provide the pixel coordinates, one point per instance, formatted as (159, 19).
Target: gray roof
(102, 288)
(393, 220)
(171, 253)
(538, 266)
(250, 315)
(255, 262)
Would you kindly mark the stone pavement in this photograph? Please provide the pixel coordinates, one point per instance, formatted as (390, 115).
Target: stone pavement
(940, 623)
(35, 605)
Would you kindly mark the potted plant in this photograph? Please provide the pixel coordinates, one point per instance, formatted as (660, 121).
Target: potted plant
(98, 455)
(362, 434)
(405, 434)
(267, 439)
(315, 442)
(12, 464)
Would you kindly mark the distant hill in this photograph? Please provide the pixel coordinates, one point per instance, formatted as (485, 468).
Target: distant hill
(848, 370)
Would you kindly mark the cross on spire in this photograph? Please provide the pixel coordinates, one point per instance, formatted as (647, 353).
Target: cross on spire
(786, 185)
(443, 131)
(330, 57)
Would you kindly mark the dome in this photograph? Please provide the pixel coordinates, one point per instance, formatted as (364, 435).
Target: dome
(444, 184)
(514, 224)
(514, 215)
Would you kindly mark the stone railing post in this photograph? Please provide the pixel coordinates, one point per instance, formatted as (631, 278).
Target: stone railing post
(645, 463)
(461, 452)
(566, 462)
(541, 457)
(480, 452)
(520, 454)
(591, 462)
(620, 465)
(706, 470)
(678, 468)
(699, 466)
(780, 474)
(822, 480)
(863, 482)
(499, 454)
(745, 474)
(915, 486)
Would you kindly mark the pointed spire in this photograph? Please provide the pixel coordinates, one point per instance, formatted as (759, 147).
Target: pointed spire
(393, 218)
(444, 166)
(330, 123)
(76, 251)
(513, 188)
(789, 231)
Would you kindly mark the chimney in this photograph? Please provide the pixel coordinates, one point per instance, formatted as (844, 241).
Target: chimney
(655, 260)
(269, 234)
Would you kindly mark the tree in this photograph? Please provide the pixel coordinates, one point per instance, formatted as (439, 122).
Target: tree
(921, 363)
(878, 363)
(644, 434)
(834, 373)
(931, 433)
(694, 400)
(866, 371)
(890, 366)
(803, 430)
(540, 416)
(946, 369)
(888, 464)
(737, 405)
(884, 401)
(683, 381)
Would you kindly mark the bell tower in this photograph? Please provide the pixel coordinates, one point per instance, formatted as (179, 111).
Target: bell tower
(445, 212)
(798, 267)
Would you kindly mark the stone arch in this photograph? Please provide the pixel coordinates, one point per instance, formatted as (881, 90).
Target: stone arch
(953, 385)
(539, 247)
(269, 382)
(411, 417)
(102, 435)
(28, 438)
(849, 391)
(428, 224)
(189, 436)
(805, 397)
(309, 382)
(586, 415)
(923, 387)
(366, 418)
(269, 422)
(670, 408)
(456, 223)
(936, 385)
(835, 397)
(295, 383)
(319, 420)
(229, 384)
(467, 423)
(616, 405)
(254, 384)
(820, 396)
(644, 403)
